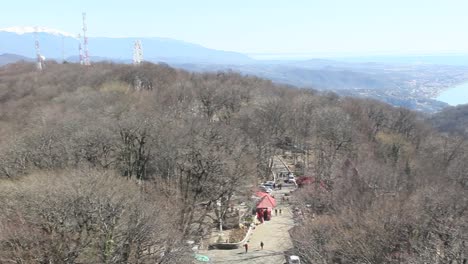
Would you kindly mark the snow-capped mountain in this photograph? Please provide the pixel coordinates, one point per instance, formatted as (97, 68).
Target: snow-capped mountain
(20, 41)
(20, 30)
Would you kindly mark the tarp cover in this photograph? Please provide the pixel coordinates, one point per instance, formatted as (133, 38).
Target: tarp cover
(202, 258)
(260, 194)
(267, 202)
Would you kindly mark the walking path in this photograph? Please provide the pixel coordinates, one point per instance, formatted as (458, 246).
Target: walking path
(273, 233)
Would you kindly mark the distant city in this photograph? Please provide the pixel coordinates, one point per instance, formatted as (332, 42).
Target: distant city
(412, 81)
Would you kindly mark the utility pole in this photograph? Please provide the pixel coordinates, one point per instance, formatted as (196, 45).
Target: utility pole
(218, 203)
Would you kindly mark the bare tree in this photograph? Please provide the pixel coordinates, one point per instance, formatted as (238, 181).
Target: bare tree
(86, 217)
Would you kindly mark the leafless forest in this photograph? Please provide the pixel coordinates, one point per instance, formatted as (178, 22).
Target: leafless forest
(120, 164)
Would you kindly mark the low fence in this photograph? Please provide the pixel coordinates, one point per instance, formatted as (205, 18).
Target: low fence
(234, 245)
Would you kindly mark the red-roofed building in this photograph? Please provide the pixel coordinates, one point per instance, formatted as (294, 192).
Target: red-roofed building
(264, 207)
(260, 194)
(266, 202)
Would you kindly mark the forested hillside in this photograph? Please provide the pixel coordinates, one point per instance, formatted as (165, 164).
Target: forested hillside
(453, 120)
(121, 164)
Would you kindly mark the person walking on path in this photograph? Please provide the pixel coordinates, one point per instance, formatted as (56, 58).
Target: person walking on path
(280, 211)
(261, 244)
(276, 211)
(246, 246)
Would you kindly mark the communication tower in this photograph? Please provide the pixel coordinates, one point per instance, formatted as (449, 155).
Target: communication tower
(137, 53)
(63, 49)
(80, 50)
(85, 42)
(39, 57)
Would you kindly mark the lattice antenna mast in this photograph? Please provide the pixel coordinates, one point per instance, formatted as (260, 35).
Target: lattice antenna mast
(63, 49)
(137, 53)
(80, 50)
(85, 42)
(39, 58)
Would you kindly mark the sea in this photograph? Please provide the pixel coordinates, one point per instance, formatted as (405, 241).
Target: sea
(455, 95)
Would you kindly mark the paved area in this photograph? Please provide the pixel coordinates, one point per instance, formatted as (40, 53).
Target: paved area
(274, 234)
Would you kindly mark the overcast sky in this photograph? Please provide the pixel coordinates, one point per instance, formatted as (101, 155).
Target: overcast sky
(263, 26)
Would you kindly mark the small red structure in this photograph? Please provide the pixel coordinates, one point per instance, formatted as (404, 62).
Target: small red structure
(309, 180)
(304, 180)
(264, 207)
(270, 198)
(260, 194)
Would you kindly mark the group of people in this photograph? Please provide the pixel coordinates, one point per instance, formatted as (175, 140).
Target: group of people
(246, 246)
(265, 213)
(279, 185)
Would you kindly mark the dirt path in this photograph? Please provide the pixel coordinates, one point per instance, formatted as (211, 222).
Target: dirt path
(274, 234)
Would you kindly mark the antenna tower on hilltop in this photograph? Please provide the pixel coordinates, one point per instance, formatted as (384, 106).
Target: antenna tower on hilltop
(80, 50)
(39, 57)
(137, 53)
(63, 50)
(85, 42)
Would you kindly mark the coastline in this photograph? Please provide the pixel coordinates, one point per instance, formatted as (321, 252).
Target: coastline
(454, 95)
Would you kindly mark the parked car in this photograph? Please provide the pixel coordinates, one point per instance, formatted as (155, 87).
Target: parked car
(293, 181)
(265, 189)
(269, 184)
(291, 178)
(294, 260)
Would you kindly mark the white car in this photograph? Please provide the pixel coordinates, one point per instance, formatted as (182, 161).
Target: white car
(292, 181)
(294, 260)
(291, 178)
(265, 189)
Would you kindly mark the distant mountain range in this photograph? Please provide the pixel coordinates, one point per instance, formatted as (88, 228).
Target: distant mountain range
(55, 44)
(412, 84)
(11, 58)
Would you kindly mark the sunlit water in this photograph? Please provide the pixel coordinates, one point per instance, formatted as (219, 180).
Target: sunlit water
(455, 95)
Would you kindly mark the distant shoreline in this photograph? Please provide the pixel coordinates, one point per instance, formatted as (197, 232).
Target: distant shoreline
(454, 95)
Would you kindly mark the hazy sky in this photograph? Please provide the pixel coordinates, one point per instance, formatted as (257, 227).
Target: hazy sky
(263, 26)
